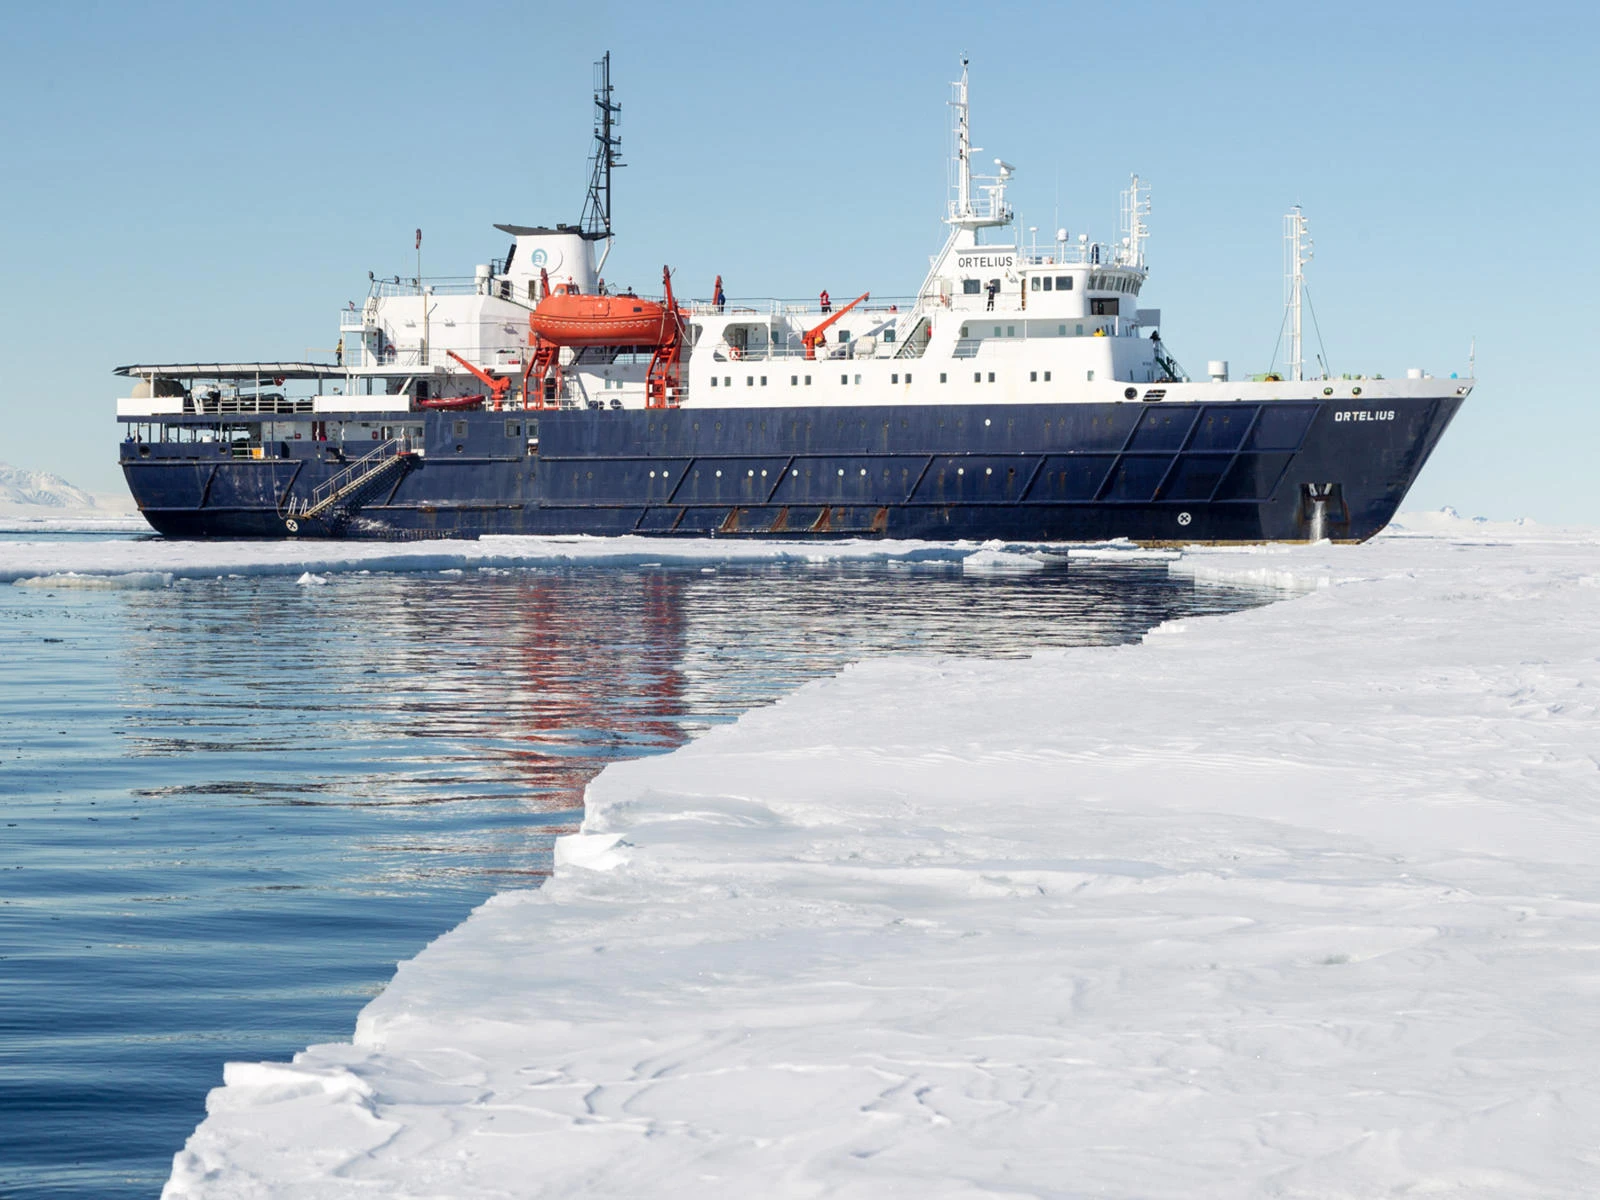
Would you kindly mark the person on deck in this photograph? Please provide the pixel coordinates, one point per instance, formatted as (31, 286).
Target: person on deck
(827, 302)
(717, 298)
(994, 286)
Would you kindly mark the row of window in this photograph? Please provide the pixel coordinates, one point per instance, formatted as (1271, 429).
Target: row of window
(1041, 283)
(1105, 308)
(848, 380)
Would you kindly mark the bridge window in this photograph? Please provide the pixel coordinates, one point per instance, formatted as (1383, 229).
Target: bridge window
(1033, 284)
(969, 287)
(1104, 306)
(1047, 283)
(1063, 283)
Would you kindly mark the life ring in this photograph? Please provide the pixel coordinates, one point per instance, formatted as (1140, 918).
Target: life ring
(735, 353)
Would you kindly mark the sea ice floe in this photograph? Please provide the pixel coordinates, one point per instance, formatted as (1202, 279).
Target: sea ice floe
(1298, 901)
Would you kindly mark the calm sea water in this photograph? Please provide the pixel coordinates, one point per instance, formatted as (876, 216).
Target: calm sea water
(227, 808)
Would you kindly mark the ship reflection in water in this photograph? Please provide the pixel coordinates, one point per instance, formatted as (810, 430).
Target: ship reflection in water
(474, 708)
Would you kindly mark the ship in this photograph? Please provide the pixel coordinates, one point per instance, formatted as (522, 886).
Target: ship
(1022, 394)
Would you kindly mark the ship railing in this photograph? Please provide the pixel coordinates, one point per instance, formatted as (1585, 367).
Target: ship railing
(447, 285)
(247, 402)
(778, 306)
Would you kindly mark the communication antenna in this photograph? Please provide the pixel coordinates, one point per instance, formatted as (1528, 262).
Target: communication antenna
(1297, 252)
(596, 220)
(1472, 360)
(1135, 208)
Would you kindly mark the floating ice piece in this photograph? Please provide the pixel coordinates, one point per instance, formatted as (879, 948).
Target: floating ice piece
(310, 580)
(72, 580)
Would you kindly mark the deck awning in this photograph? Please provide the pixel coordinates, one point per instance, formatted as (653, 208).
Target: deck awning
(232, 370)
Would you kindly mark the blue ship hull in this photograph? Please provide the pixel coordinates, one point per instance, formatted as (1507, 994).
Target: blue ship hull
(1154, 473)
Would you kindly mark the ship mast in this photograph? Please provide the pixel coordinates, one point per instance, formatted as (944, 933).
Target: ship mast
(1296, 254)
(596, 220)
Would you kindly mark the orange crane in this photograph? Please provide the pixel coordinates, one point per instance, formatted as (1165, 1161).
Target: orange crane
(815, 337)
(498, 386)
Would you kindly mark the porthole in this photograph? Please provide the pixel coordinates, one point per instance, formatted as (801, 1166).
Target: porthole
(1327, 391)
(988, 470)
(961, 470)
(1129, 393)
(719, 473)
(1355, 391)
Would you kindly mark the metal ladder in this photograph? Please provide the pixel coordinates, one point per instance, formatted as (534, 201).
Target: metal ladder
(396, 452)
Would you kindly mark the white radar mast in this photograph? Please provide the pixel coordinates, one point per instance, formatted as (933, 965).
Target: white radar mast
(1135, 208)
(963, 214)
(1297, 253)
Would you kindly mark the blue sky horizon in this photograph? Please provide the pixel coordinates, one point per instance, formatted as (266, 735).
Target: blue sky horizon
(190, 182)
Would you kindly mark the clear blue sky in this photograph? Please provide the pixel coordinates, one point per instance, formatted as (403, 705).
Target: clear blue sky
(204, 181)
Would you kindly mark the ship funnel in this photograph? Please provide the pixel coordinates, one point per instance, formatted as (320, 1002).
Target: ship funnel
(1217, 368)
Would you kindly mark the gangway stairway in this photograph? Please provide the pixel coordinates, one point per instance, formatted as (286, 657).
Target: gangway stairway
(337, 499)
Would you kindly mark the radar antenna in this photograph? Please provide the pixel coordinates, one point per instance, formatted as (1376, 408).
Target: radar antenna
(596, 221)
(1296, 254)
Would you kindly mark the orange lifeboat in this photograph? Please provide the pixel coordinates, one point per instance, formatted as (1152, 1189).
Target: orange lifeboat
(566, 317)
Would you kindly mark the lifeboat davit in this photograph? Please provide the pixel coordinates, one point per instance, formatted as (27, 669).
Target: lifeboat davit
(566, 317)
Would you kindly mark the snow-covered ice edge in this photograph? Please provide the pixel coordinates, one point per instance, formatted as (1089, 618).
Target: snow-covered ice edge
(1300, 901)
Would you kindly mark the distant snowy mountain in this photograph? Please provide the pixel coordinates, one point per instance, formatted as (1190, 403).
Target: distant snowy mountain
(42, 489)
(40, 500)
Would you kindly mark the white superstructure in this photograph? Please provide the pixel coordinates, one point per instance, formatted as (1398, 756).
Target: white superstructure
(993, 322)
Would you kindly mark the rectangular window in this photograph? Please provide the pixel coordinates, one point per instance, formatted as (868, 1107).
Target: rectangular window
(763, 381)
(977, 377)
(943, 377)
(1063, 283)
(1103, 306)
(808, 381)
(963, 331)
(894, 379)
(460, 428)
(1047, 376)
(1033, 377)
(888, 335)
(858, 379)
(991, 376)
(749, 381)
(1047, 283)
(794, 381)
(1033, 284)
(1011, 331)
(513, 428)
(713, 381)
(969, 287)
(908, 376)
(1061, 331)
(727, 381)
(844, 336)
(844, 379)
(997, 331)
(1080, 330)
(1091, 376)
